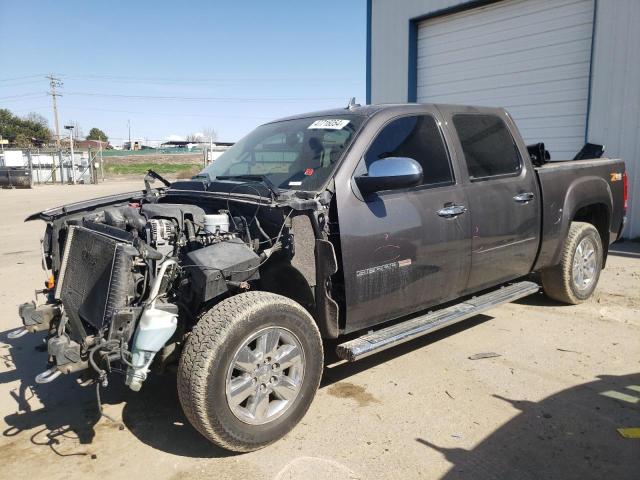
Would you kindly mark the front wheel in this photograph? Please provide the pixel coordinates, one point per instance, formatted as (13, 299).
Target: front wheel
(575, 278)
(249, 370)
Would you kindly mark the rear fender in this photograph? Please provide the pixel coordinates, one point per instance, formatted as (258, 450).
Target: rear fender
(582, 192)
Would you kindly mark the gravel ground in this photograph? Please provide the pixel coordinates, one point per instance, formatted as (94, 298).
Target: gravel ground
(547, 407)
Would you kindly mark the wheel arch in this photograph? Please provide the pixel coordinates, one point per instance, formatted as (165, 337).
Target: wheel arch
(282, 278)
(598, 215)
(587, 199)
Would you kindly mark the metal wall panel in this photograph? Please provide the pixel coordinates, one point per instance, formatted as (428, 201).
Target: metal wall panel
(529, 56)
(614, 111)
(390, 44)
(614, 116)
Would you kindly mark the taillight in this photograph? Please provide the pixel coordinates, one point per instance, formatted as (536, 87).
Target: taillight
(625, 189)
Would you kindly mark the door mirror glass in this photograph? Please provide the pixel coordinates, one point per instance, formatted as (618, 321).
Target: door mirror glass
(390, 173)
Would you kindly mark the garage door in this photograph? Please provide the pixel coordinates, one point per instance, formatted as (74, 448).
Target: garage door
(529, 56)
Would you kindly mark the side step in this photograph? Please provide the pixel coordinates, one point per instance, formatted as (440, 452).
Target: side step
(379, 340)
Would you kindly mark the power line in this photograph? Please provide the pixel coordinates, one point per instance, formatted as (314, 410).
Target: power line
(172, 114)
(20, 83)
(29, 109)
(200, 99)
(22, 95)
(138, 112)
(181, 80)
(19, 78)
(176, 97)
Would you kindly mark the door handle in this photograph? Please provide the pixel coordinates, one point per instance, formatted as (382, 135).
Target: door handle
(524, 197)
(452, 211)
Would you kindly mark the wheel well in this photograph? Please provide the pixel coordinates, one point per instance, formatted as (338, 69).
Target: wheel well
(286, 280)
(597, 215)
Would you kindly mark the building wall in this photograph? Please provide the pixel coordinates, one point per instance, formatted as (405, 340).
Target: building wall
(390, 44)
(614, 109)
(614, 113)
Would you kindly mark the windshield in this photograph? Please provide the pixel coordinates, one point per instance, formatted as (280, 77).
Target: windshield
(298, 154)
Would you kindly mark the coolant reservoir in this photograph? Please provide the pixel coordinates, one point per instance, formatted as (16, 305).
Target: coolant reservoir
(216, 223)
(154, 330)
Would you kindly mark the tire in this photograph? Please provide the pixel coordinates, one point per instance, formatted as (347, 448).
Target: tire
(559, 282)
(214, 362)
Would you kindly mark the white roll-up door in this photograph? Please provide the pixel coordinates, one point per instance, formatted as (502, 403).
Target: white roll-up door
(529, 56)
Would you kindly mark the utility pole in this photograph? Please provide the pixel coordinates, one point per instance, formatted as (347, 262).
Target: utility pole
(55, 83)
(101, 163)
(129, 127)
(73, 159)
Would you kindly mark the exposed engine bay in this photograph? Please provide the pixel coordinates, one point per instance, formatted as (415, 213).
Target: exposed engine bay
(129, 279)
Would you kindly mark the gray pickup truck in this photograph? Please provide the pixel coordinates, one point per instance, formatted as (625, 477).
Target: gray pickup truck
(353, 229)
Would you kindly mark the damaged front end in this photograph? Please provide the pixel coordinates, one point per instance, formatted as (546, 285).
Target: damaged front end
(130, 275)
(108, 308)
(122, 274)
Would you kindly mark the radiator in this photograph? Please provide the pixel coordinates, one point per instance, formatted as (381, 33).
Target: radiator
(95, 278)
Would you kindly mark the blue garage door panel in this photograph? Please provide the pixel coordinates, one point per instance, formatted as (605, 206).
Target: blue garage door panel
(529, 56)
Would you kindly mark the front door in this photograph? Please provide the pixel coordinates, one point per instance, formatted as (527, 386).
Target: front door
(404, 250)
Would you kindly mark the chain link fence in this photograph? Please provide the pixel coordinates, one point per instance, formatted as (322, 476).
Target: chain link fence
(25, 168)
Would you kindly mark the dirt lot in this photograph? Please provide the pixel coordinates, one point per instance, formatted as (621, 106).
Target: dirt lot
(547, 407)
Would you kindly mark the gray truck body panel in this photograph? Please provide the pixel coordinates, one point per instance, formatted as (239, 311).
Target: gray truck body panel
(399, 257)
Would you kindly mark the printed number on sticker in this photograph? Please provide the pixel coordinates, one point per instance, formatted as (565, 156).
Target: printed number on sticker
(329, 124)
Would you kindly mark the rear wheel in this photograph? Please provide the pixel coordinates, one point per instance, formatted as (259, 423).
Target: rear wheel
(250, 370)
(575, 278)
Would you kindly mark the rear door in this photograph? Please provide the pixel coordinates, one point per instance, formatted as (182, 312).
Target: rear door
(502, 189)
(404, 250)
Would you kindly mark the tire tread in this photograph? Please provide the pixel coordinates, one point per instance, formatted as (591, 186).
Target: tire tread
(203, 345)
(556, 280)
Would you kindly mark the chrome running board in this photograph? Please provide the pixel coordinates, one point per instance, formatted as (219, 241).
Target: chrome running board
(388, 337)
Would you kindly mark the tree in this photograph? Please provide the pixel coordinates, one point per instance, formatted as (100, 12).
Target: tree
(210, 134)
(97, 134)
(22, 141)
(36, 118)
(24, 132)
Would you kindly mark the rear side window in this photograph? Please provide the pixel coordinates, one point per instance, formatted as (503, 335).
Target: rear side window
(417, 137)
(489, 148)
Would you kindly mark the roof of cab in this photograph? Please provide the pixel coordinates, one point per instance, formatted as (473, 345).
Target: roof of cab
(370, 110)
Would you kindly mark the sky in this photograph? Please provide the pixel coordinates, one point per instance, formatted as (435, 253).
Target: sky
(175, 68)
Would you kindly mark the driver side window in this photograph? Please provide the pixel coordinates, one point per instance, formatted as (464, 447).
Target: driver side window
(417, 137)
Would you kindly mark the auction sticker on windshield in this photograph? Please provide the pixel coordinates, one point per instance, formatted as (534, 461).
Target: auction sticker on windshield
(329, 124)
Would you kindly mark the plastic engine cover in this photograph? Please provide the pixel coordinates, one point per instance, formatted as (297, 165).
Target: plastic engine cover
(213, 265)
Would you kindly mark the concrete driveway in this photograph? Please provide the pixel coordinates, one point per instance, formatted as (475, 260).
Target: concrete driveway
(547, 407)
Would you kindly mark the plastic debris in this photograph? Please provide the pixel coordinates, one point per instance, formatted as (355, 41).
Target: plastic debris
(479, 356)
(632, 432)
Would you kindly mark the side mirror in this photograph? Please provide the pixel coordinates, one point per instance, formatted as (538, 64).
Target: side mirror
(390, 173)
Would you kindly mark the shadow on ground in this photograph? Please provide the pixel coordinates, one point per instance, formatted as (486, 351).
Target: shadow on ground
(569, 435)
(626, 249)
(153, 415)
